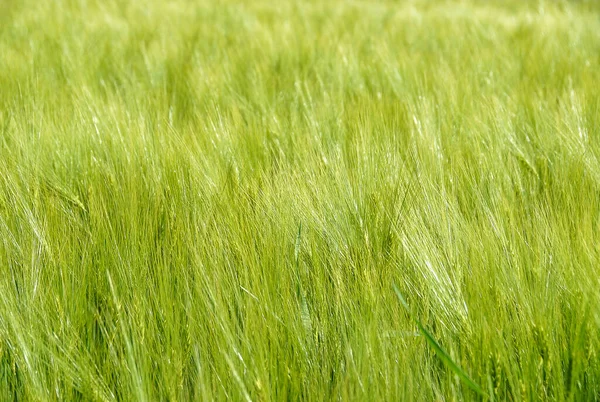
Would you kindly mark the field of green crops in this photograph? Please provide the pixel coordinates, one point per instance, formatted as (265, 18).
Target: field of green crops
(299, 200)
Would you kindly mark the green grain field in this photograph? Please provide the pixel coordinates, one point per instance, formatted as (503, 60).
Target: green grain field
(299, 200)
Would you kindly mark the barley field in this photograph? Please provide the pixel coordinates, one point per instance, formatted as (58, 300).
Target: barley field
(299, 200)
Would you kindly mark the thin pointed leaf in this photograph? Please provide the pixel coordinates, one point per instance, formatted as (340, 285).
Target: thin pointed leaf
(442, 354)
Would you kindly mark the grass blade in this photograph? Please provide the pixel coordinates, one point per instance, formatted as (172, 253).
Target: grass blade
(441, 353)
